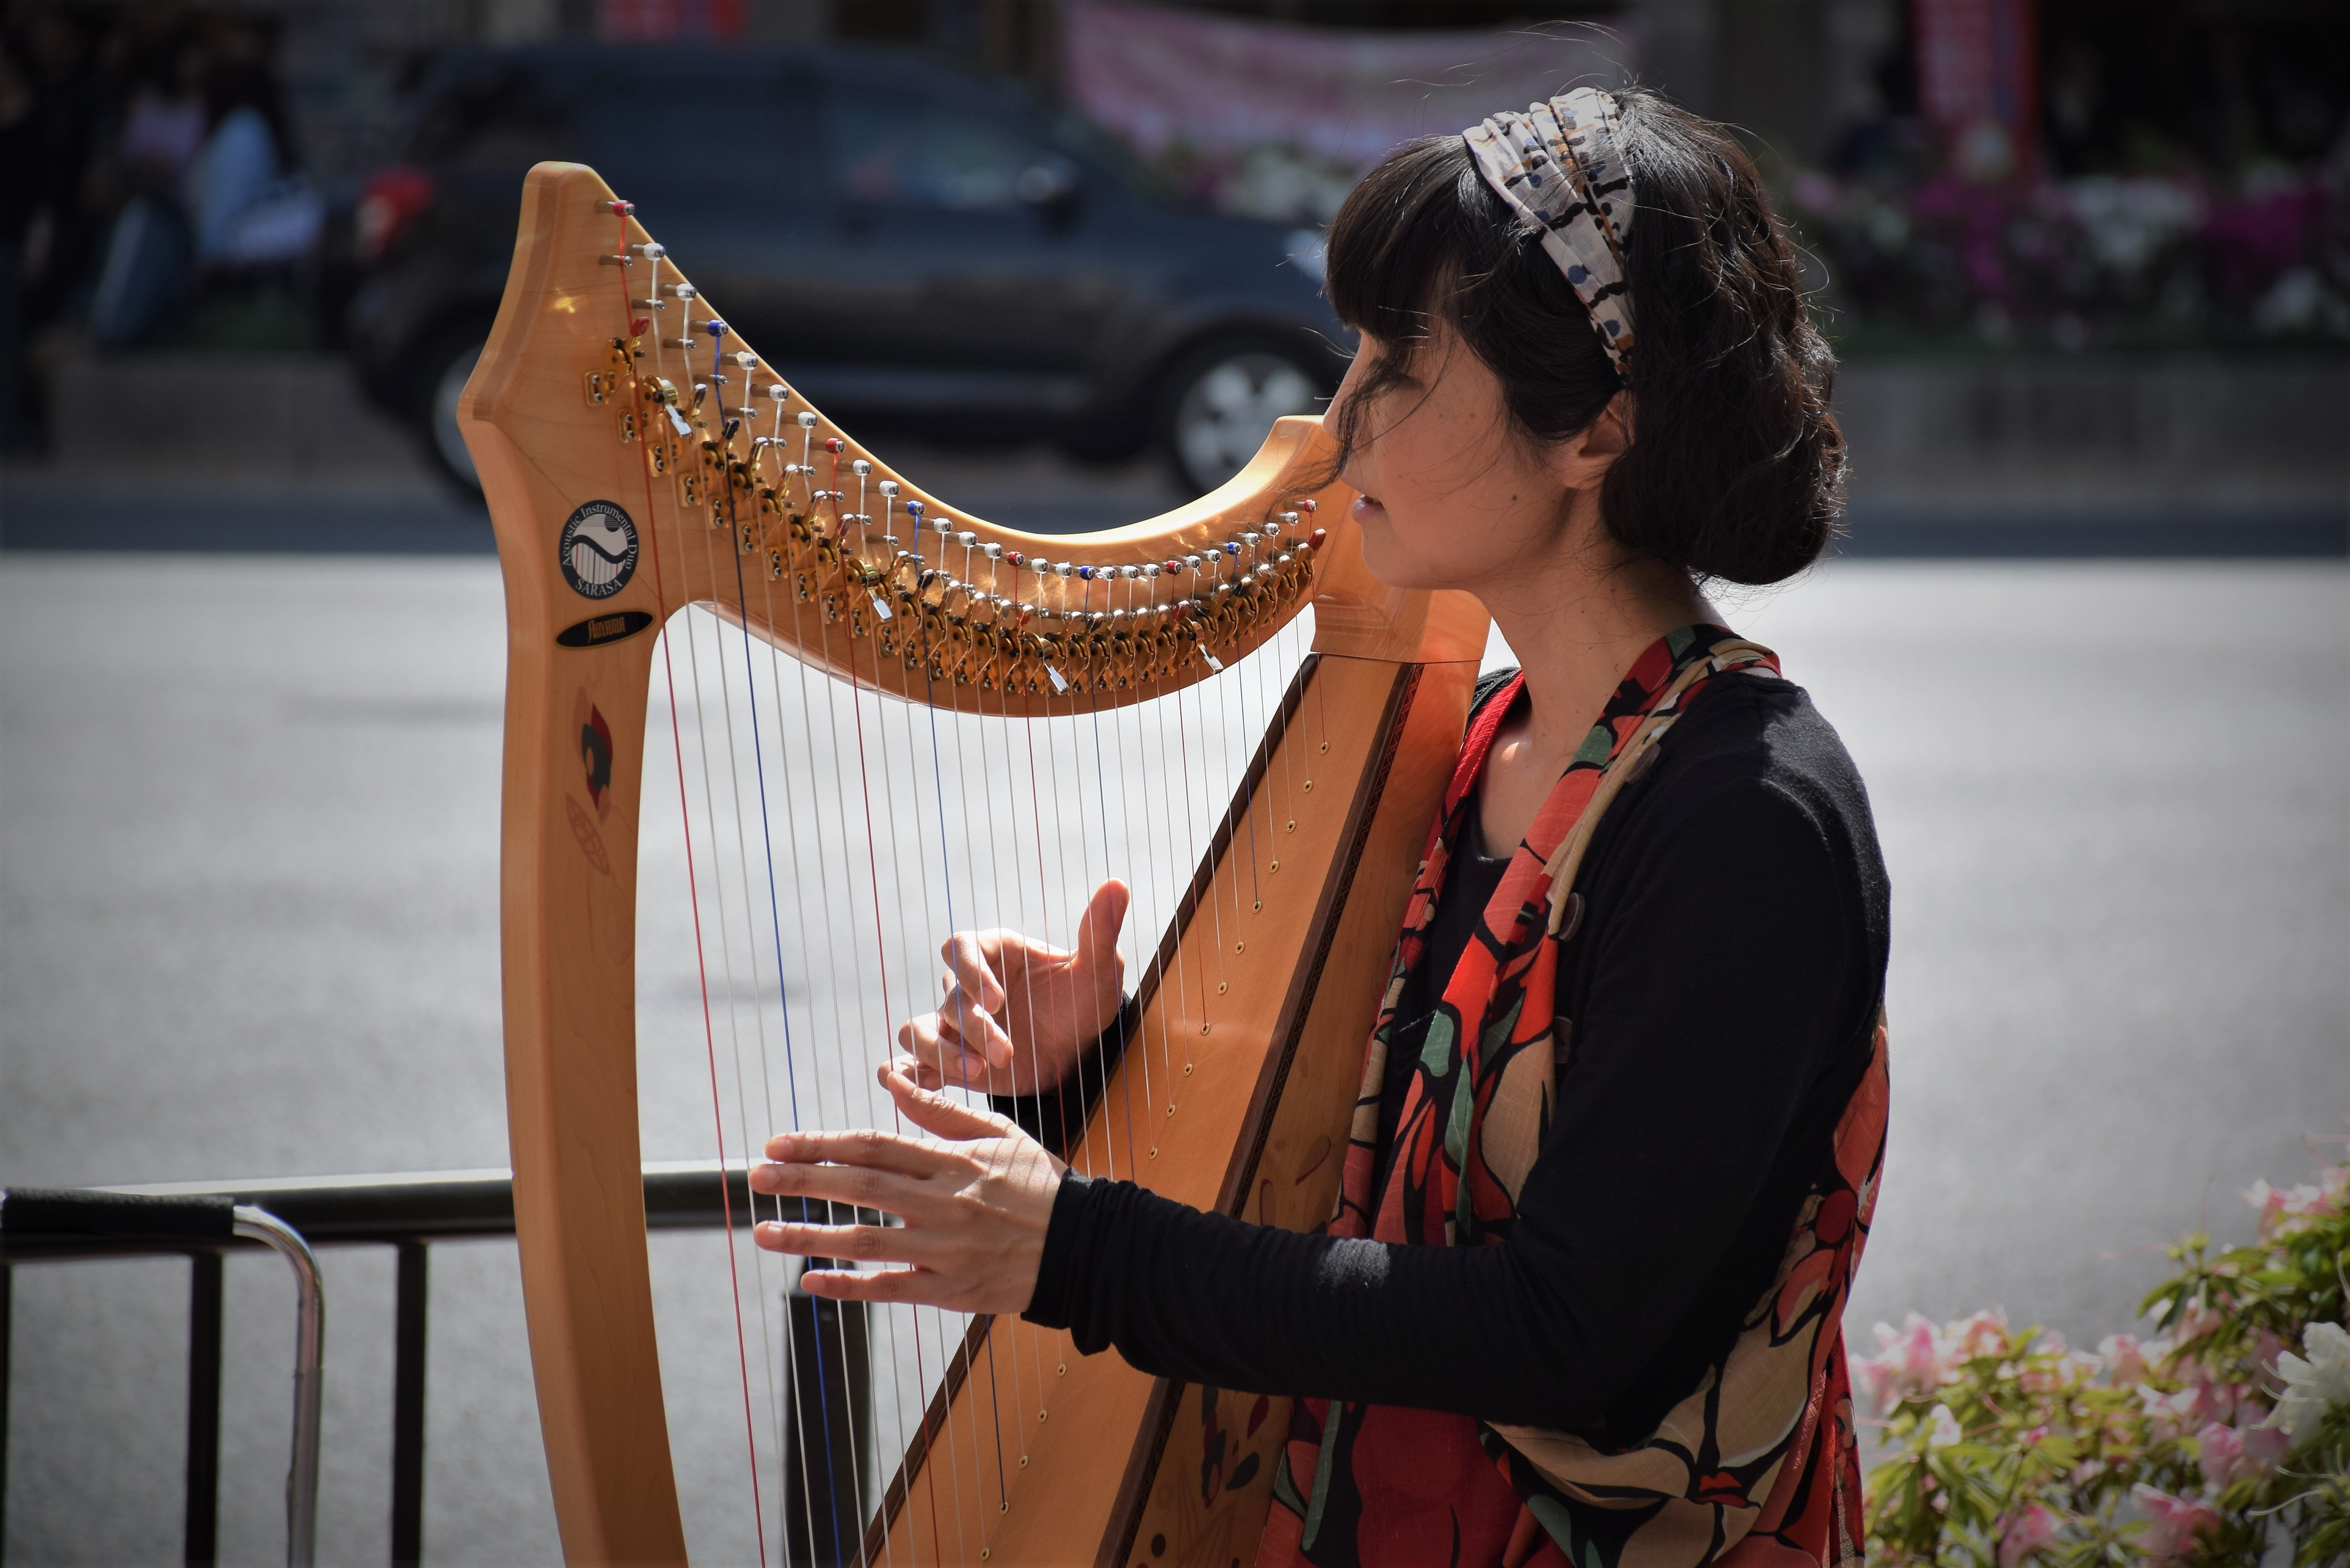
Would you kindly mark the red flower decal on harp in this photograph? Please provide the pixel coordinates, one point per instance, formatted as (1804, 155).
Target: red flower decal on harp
(595, 756)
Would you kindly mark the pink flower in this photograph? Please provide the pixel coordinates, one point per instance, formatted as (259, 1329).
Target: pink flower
(1985, 1334)
(2170, 1415)
(2268, 1202)
(2264, 1445)
(2221, 1453)
(2195, 1322)
(1872, 1383)
(2022, 1535)
(2283, 1210)
(2126, 1360)
(2172, 1524)
(1911, 1363)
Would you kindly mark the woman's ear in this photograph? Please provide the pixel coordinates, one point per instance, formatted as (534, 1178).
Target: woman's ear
(1581, 461)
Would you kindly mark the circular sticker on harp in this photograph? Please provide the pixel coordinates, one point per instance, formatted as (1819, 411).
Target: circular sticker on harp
(598, 550)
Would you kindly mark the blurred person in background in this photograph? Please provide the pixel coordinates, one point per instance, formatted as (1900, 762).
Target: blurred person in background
(231, 213)
(52, 103)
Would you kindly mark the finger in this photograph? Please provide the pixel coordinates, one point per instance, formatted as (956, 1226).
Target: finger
(916, 1285)
(1097, 932)
(971, 963)
(975, 1028)
(864, 1243)
(924, 1040)
(941, 1114)
(864, 1148)
(923, 1072)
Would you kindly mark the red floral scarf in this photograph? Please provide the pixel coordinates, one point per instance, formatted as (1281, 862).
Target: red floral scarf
(1757, 1466)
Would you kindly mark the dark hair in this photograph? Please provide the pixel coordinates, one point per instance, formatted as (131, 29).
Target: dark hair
(1736, 466)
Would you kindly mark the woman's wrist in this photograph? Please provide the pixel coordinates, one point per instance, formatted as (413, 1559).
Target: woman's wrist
(1061, 1265)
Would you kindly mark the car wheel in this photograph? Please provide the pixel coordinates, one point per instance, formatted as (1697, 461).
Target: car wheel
(445, 371)
(1220, 405)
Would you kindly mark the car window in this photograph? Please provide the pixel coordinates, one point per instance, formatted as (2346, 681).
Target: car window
(895, 152)
(492, 119)
(679, 134)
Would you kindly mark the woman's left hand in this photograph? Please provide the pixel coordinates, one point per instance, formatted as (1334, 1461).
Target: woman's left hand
(975, 1206)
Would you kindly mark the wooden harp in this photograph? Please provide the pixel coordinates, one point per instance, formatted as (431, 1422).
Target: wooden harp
(635, 513)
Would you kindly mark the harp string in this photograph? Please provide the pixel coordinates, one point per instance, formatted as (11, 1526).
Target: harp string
(830, 927)
(783, 1000)
(865, 1026)
(685, 817)
(989, 831)
(948, 1348)
(718, 384)
(718, 888)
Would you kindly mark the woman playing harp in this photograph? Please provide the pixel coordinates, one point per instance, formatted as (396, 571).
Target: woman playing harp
(1622, 1116)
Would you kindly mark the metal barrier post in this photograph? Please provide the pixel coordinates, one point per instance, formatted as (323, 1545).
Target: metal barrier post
(310, 1352)
(201, 1517)
(409, 1325)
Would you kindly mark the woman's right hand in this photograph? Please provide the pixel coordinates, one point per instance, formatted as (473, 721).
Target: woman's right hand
(1016, 1012)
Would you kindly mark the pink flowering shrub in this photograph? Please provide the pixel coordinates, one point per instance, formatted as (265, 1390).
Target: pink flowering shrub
(2223, 1434)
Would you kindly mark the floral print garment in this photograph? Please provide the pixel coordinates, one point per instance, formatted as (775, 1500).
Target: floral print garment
(1757, 1465)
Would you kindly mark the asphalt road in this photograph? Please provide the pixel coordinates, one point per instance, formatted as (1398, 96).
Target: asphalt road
(248, 879)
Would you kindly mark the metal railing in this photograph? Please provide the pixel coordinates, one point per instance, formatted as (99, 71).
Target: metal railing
(406, 1212)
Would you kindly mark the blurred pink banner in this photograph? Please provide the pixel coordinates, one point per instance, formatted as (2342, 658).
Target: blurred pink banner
(1219, 85)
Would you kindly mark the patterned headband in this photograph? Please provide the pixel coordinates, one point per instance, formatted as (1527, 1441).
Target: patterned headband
(1561, 165)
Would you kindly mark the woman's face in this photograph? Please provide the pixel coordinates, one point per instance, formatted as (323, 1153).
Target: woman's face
(1452, 496)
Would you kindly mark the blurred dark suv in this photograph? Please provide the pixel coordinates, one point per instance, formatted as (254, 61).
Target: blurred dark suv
(912, 242)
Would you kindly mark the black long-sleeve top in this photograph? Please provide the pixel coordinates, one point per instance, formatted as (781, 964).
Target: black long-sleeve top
(1722, 985)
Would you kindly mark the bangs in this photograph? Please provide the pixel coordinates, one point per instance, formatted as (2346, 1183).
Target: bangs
(1417, 223)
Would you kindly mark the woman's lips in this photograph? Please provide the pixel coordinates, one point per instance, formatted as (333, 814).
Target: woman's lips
(1365, 505)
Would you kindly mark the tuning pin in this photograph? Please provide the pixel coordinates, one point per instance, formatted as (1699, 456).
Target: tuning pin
(914, 509)
(993, 551)
(888, 487)
(966, 538)
(1063, 568)
(1014, 557)
(617, 207)
(746, 361)
(778, 391)
(860, 467)
(650, 250)
(1232, 548)
(1085, 574)
(680, 291)
(807, 419)
(834, 445)
(716, 328)
(1192, 562)
(1308, 505)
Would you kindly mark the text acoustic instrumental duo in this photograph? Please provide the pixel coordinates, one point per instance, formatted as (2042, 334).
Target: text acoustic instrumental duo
(888, 721)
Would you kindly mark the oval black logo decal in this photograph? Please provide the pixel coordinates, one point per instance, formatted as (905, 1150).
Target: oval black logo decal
(597, 630)
(598, 550)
